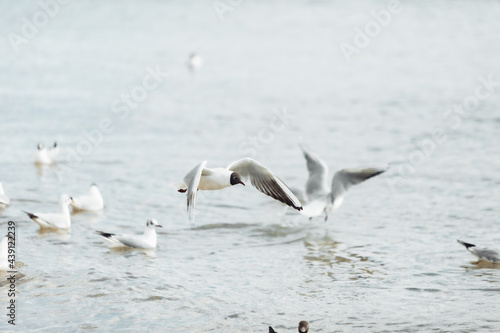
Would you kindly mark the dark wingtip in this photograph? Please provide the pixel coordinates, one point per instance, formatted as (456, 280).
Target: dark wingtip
(30, 215)
(104, 234)
(467, 245)
(271, 330)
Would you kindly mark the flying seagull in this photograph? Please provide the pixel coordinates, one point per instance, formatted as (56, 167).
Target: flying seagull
(91, 202)
(263, 179)
(145, 241)
(482, 254)
(320, 197)
(61, 220)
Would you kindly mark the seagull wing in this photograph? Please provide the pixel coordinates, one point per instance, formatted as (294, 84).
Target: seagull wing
(317, 183)
(136, 241)
(265, 181)
(486, 254)
(192, 181)
(346, 178)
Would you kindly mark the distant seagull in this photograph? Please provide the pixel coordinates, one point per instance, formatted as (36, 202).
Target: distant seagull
(195, 62)
(4, 249)
(4, 200)
(91, 202)
(320, 197)
(46, 156)
(145, 241)
(61, 220)
(482, 254)
(201, 178)
(303, 327)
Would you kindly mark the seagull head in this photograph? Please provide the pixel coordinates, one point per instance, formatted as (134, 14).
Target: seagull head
(303, 326)
(236, 179)
(66, 199)
(153, 224)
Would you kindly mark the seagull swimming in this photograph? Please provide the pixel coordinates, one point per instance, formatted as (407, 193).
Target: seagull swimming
(46, 156)
(319, 196)
(4, 200)
(202, 178)
(482, 254)
(4, 250)
(303, 327)
(145, 241)
(195, 62)
(91, 202)
(61, 220)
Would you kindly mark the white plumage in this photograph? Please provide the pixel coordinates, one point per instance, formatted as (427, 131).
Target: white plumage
(202, 178)
(46, 156)
(61, 220)
(4, 200)
(92, 201)
(145, 241)
(322, 198)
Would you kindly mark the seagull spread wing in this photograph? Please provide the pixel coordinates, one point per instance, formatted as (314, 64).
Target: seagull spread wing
(317, 183)
(346, 178)
(265, 181)
(192, 181)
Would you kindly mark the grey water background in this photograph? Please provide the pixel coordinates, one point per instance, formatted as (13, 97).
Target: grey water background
(386, 261)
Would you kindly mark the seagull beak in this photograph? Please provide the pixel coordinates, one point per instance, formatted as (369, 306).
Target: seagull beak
(240, 182)
(159, 226)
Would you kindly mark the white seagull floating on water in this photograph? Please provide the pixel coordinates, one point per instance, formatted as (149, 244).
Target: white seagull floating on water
(482, 254)
(46, 156)
(145, 241)
(4, 251)
(202, 178)
(61, 220)
(91, 202)
(4, 200)
(195, 62)
(322, 198)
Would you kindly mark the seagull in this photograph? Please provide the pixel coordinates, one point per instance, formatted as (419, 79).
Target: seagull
(319, 196)
(483, 254)
(303, 327)
(61, 220)
(92, 201)
(4, 200)
(46, 156)
(4, 249)
(202, 178)
(195, 62)
(145, 241)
